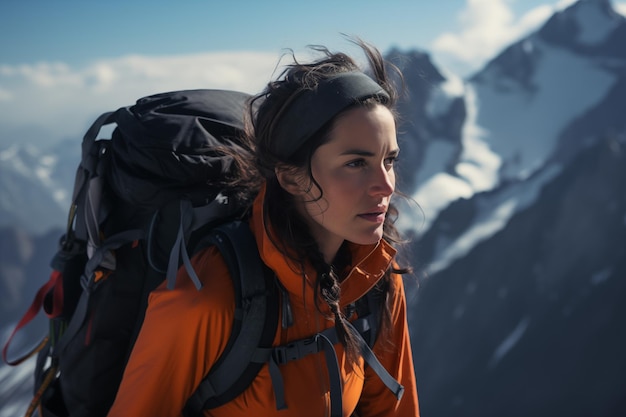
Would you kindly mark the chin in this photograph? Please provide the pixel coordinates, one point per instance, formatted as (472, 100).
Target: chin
(372, 239)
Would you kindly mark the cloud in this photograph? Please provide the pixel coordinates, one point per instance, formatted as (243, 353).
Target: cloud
(620, 8)
(56, 100)
(5, 95)
(486, 26)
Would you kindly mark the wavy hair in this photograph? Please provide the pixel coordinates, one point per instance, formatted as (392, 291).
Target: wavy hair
(288, 230)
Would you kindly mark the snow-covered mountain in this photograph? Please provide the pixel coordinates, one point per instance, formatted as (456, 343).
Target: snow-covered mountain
(537, 87)
(531, 110)
(36, 185)
(520, 240)
(529, 321)
(521, 310)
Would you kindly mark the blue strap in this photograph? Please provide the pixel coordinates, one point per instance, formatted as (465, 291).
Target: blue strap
(325, 342)
(277, 384)
(334, 375)
(191, 218)
(299, 349)
(89, 284)
(370, 358)
(179, 250)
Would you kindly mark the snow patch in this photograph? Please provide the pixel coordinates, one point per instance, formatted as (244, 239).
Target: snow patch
(458, 312)
(601, 276)
(494, 212)
(484, 228)
(16, 387)
(16, 383)
(28, 162)
(528, 46)
(438, 155)
(433, 196)
(478, 164)
(522, 125)
(509, 342)
(477, 171)
(443, 95)
(503, 293)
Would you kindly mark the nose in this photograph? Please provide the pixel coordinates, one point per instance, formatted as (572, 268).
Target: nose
(383, 182)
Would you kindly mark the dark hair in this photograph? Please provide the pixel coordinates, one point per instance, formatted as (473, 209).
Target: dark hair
(288, 230)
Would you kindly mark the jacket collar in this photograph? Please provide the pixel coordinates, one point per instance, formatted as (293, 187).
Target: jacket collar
(369, 263)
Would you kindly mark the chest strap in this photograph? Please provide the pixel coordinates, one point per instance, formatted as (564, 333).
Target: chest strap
(324, 342)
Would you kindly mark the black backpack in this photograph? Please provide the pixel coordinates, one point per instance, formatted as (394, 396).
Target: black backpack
(144, 201)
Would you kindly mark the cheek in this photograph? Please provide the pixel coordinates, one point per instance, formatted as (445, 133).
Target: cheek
(340, 186)
(334, 191)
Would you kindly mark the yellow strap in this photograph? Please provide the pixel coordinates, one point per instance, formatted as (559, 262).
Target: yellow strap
(36, 401)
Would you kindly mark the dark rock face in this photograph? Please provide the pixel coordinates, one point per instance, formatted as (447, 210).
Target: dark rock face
(529, 322)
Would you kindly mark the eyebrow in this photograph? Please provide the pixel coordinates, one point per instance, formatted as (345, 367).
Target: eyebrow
(362, 152)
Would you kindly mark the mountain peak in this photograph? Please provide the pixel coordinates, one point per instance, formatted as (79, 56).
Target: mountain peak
(588, 26)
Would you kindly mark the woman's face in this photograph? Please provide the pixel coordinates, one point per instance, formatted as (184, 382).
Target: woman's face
(355, 171)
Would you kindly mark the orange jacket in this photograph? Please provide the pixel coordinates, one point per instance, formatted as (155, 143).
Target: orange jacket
(186, 330)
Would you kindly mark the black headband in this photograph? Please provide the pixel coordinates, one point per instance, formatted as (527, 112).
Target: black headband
(312, 109)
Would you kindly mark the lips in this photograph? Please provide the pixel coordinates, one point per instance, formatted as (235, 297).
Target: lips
(377, 216)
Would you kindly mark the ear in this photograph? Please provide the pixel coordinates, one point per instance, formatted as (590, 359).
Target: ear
(291, 180)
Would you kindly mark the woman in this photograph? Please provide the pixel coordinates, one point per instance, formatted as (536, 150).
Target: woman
(324, 143)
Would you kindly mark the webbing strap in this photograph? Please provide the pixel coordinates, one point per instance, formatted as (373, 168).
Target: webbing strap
(31, 313)
(277, 382)
(370, 305)
(321, 342)
(191, 218)
(85, 172)
(325, 341)
(334, 375)
(88, 283)
(179, 251)
(281, 355)
(370, 358)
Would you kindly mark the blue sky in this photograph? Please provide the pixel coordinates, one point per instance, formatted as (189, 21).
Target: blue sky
(75, 32)
(66, 61)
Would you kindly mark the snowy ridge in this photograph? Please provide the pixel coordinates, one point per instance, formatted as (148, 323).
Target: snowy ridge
(35, 186)
(516, 109)
(30, 163)
(15, 383)
(16, 391)
(494, 211)
(522, 123)
(478, 163)
(441, 98)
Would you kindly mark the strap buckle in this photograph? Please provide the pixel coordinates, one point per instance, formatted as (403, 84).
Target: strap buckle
(295, 350)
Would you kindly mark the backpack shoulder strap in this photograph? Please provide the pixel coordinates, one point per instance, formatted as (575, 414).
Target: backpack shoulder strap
(365, 328)
(256, 318)
(369, 311)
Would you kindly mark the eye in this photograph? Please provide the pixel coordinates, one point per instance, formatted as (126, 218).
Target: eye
(389, 162)
(356, 163)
